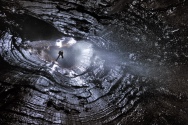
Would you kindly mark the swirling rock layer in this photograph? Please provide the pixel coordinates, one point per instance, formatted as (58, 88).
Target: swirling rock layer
(124, 63)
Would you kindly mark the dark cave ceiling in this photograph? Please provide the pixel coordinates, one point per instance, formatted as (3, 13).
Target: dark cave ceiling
(124, 62)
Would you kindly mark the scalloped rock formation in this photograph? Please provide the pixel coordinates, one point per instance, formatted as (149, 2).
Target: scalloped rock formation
(125, 62)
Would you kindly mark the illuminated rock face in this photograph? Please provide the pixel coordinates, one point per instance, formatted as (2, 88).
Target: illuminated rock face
(124, 63)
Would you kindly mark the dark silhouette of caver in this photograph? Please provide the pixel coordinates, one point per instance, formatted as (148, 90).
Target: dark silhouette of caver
(60, 54)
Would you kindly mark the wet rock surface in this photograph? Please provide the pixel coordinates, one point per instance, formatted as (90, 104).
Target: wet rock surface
(124, 62)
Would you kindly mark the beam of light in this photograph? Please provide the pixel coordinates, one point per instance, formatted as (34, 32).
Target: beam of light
(71, 42)
(59, 43)
(83, 59)
(65, 43)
